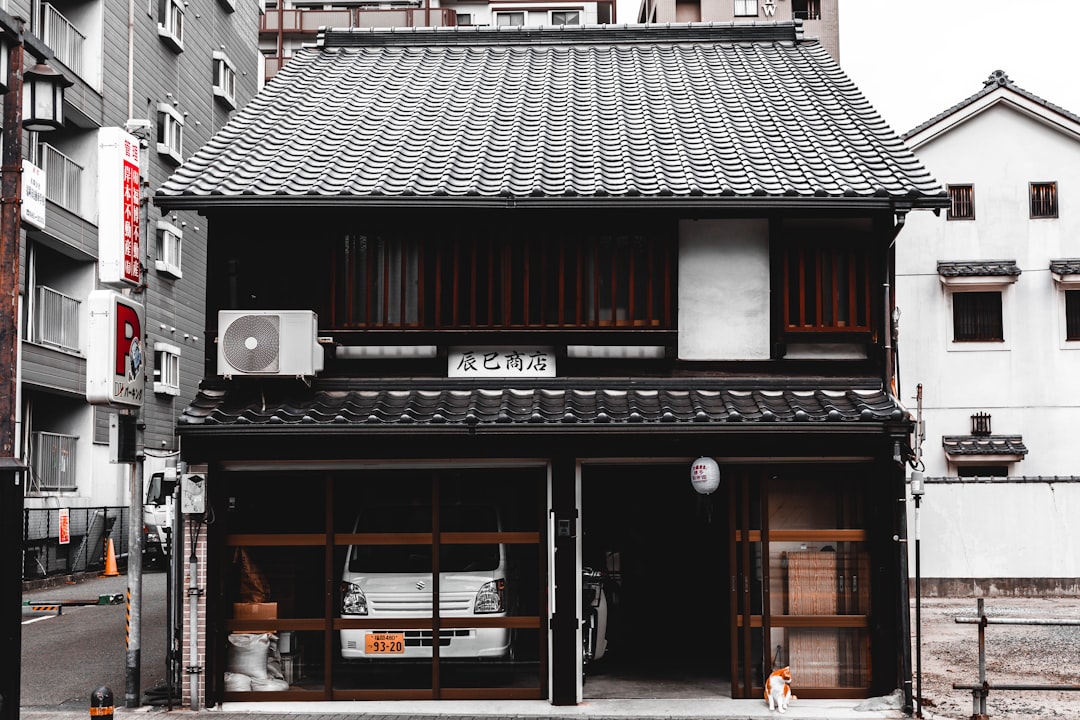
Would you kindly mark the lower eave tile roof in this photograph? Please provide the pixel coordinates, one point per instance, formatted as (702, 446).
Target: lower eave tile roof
(1070, 266)
(683, 113)
(239, 404)
(978, 268)
(984, 445)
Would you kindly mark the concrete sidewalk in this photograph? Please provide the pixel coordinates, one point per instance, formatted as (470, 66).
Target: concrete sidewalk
(712, 709)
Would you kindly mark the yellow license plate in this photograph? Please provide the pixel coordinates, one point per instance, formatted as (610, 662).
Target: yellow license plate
(384, 644)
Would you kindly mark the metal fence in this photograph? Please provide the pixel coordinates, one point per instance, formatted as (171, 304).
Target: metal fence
(88, 529)
(981, 690)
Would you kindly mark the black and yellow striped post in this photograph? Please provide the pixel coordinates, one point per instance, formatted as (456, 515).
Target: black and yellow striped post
(101, 703)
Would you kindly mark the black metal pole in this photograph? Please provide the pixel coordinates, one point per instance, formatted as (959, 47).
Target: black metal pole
(11, 467)
(918, 615)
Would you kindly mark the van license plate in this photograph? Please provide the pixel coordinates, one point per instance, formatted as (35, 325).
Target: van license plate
(384, 644)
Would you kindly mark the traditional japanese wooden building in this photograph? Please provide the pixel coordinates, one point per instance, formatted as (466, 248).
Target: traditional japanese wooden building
(545, 270)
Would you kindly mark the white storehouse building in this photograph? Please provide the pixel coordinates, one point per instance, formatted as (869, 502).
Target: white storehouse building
(989, 295)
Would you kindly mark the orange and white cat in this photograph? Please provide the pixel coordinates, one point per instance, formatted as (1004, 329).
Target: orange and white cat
(778, 689)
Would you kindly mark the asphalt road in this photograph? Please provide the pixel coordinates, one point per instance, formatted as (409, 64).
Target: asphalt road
(66, 656)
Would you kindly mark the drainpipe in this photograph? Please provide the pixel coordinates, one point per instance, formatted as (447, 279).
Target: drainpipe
(890, 302)
(131, 60)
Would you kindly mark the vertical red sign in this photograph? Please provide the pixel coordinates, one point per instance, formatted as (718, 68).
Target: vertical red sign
(132, 249)
(65, 527)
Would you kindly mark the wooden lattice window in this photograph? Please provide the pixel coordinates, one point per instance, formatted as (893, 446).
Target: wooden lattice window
(963, 202)
(1044, 201)
(826, 289)
(391, 281)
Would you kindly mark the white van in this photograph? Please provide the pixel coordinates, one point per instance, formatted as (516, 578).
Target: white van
(395, 581)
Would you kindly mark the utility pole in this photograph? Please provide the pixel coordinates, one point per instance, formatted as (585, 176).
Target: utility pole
(45, 88)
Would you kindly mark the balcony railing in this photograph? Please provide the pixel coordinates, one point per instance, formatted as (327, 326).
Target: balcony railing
(63, 177)
(64, 38)
(53, 463)
(308, 21)
(56, 319)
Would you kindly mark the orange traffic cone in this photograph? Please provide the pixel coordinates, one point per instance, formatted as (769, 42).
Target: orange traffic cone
(110, 561)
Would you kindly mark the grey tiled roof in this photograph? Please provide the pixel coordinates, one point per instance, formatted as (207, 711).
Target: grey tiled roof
(694, 114)
(997, 79)
(980, 268)
(984, 444)
(442, 402)
(1069, 266)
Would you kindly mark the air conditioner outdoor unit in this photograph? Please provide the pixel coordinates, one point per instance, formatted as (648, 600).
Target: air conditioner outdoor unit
(268, 343)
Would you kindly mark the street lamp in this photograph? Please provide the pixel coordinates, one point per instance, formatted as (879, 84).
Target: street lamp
(918, 489)
(40, 92)
(43, 98)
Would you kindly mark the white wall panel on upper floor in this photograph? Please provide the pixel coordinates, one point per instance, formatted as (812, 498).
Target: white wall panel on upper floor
(724, 290)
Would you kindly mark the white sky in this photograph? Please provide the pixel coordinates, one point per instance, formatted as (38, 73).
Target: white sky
(913, 59)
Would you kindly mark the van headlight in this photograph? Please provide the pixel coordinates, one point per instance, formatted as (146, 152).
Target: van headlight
(491, 597)
(353, 600)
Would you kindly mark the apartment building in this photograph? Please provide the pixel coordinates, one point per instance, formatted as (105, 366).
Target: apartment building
(989, 294)
(151, 81)
(820, 18)
(288, 24)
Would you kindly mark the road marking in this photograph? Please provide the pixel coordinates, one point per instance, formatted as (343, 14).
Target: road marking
(34, 620)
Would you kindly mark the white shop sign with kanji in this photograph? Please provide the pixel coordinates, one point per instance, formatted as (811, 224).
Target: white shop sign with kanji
(486, 362)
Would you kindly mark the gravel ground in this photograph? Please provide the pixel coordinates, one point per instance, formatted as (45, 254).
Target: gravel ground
(1015, 654)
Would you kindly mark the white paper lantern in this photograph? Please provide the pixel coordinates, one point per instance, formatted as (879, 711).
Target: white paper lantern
(705, 475)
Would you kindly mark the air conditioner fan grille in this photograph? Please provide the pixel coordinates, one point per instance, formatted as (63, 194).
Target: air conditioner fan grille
(251, 343)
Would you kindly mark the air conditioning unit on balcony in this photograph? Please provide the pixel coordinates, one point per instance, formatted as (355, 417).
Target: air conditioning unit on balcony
(268, 343)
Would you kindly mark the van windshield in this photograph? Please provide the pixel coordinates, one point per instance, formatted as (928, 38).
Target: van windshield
(417, 558)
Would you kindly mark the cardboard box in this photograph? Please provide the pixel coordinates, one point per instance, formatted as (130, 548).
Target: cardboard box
(255, 611)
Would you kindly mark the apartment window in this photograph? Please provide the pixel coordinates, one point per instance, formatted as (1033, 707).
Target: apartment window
(963, 202)
(166, 369)
(484, 282)
(171, 23)
(169, 242)
(464, 19)
(806, 9)
(826, 289)
(224, 79)
(746, 8)
(977, 316)
(1072, 314)
(565, 17)
(507, 19)
(1044, 202)
(56, 319)
(170, 132)
(53, 461)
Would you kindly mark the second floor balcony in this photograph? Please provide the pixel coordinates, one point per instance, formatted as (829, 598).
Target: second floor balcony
(61, 34)
(63, 176)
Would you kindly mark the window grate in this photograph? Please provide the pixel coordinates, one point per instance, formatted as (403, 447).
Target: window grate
(1072, 314)
(980, 424)
(53, 462)
(56, 319)
(977, 316)
(1044, 202)
(963, 202)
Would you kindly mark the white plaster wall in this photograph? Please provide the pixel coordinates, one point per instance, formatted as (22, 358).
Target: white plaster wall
(998, 530)
(1030, 384)
(724, 290)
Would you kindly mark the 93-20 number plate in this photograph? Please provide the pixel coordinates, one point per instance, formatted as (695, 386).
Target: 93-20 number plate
(384, 644)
